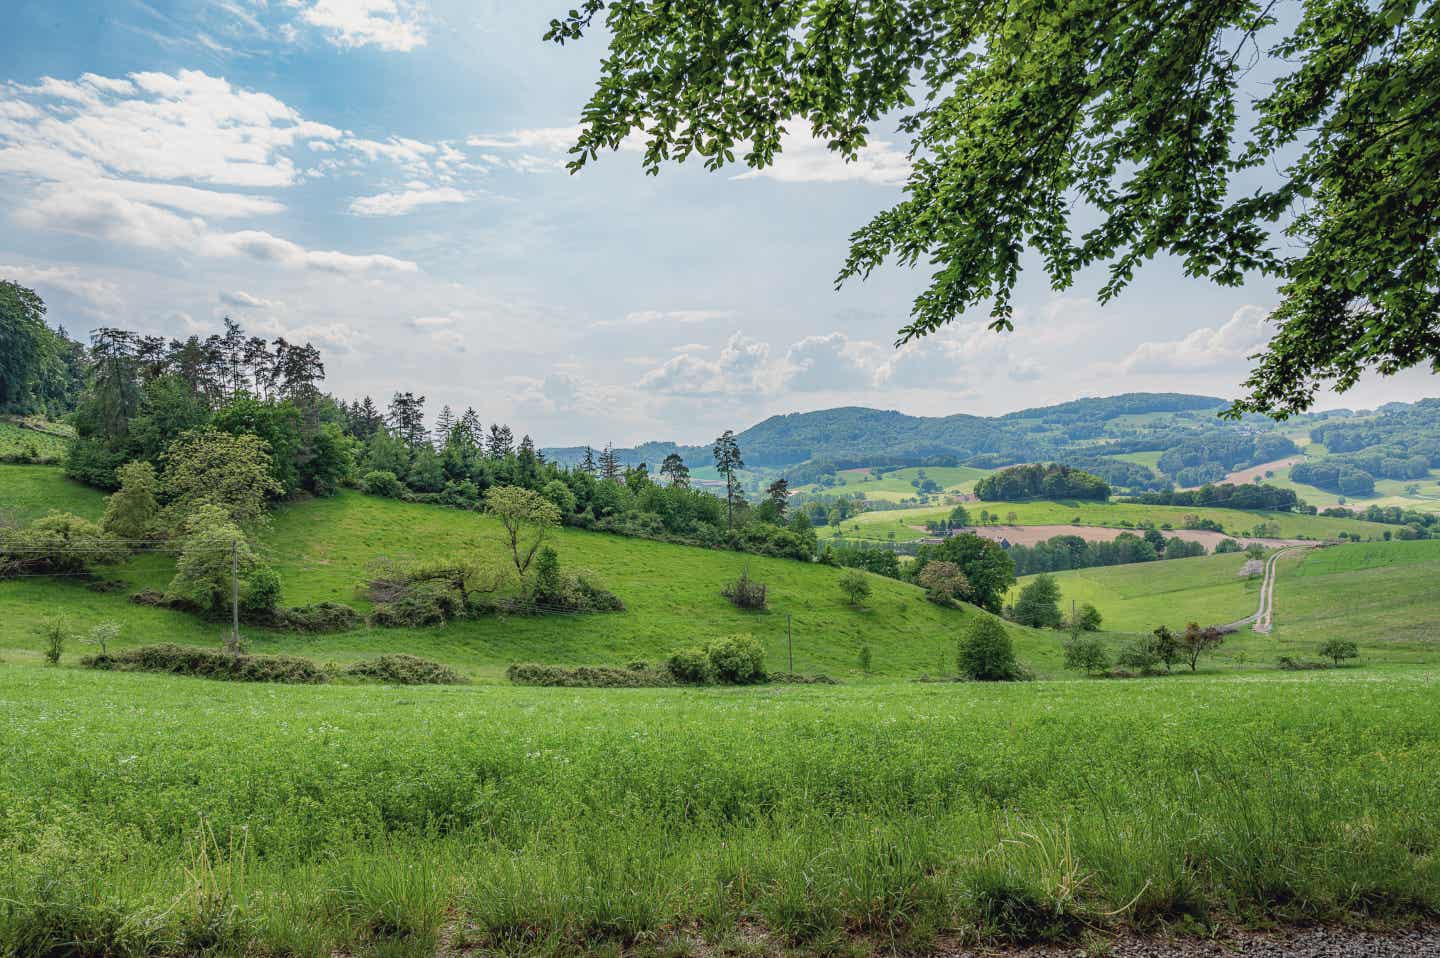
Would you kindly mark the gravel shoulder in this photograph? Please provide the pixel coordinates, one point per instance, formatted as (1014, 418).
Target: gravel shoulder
(1288, 943)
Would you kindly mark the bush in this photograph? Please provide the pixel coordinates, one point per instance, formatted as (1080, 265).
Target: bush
(855, 586)
(401, 669)
(1039, 603)
(866, 658)
(744, 592)
(1197, 641)
(55, 634)
(1086, 654)
(796, 678)
(428, 602)
(587, 677)
(318, 618)
(1140, 656)
(211, 664)
(737, 660)
(212, 550)
(382, 483)
(943, 581)
(1338, 650)
(57, 543)
(690, 666)
(986, 654)
(1089, 618)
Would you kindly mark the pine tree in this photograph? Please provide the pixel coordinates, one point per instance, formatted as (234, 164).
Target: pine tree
(609, 463)
(443, 424)
(727, 462)
(778, 495)
(587, 464)
(501, 442)
(674, 469)
(407, 419)
(368, 419)
(474, 429)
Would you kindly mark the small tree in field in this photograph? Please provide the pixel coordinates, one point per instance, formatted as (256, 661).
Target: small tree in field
(1039, 603)
(943, 582)
(1089, 618)
(1338, 650)
(855, 585)
(866, 658)
(527, 517)
(986, 654)
(1166, 646)
(1197, 641)
(132, 511)
(1086, 654)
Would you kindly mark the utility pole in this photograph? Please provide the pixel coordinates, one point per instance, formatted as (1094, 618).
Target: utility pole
(789, 642)
(235, 597)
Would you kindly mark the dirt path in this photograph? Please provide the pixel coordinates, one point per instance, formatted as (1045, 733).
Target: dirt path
(1265, 612)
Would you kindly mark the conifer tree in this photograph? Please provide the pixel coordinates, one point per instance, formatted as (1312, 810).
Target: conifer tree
(675, 470)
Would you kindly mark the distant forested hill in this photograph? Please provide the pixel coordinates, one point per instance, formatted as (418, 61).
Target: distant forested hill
(852, 436)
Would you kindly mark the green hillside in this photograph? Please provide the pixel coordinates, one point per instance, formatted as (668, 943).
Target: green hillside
(904, 522)
(321, 548)
(16, 440)
(897, 485)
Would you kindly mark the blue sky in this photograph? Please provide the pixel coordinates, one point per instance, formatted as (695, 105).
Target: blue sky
(385, 178)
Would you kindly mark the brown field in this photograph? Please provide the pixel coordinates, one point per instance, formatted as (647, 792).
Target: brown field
(1030, 535)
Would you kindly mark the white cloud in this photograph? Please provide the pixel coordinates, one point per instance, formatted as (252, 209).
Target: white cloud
(1025, 370)
(434, 322)
(1207, 348)
(830, 363)
(387, 24)
(404, 201)
(958, 353)
(804, 159)
(240, 299)
(101, 294)
(555, 139)
(741, 368)
(650, 317)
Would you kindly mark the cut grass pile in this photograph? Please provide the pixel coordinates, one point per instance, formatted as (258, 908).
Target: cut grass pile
(903, 523)
(672, 595)
(149, 814)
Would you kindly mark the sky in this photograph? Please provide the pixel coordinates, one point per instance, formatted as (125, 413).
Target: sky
(385, 178)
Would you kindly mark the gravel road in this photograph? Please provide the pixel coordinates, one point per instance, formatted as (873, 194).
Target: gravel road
(1293, 943)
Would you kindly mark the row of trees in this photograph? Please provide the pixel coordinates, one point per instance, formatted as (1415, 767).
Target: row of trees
(1253, 496)
(1059, 553)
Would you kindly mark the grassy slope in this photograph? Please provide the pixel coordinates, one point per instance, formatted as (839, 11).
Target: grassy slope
(559, 821)
(1379, 594)
(27, 492)
(1388, 492)
(895, 486)
(1137, 598)
(1150, 459)
(321, 548)
(879, 525)
(15, 439)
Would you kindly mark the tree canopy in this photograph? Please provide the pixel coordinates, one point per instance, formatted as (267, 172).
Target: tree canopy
(1091, 133)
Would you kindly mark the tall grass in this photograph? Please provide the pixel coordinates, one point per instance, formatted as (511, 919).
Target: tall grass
(153, 814)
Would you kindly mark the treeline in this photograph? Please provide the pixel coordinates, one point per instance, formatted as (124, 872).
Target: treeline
(41, 369)
(1073, 552)
(1417, 524)
(1209, 456)
(1121, 474)
(1412, 430)
(1254, 496)
(1050, 481)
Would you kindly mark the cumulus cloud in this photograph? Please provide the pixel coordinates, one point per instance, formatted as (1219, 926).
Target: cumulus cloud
(1207, 348)
(833, 362)
(434, 322)
(99, 293)
(404, 201)
(386, 24)
(741, 368)
(240, 299)
(803, 159)
(957, 354)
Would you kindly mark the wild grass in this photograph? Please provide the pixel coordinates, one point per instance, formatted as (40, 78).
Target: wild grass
(28, 492)
(17, 440)
(162, 815)
(1384, 596)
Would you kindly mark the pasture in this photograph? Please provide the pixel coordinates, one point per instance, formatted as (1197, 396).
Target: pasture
(897, 485)
(152, 814)
(17, 440)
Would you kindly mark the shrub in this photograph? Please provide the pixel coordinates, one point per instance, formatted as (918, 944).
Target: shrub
(1139, 656)
(57, 543)
(379, 482)
(855, 586)
(985, 652)
(211, 664)
(428, 602)
(55, 633)
(737, 660)
(744, 592)
(133, 511)
(866, 658)
(1338, 650)
(796, 678)
(400, 669)
(1086, 654)
(943, 582)
(1039, 603)
(1226, 545)
(587, 677)
(690, 666)
(1165, 646)
(103, 634)
(1089, 618)
(318, 618)
(212, 550)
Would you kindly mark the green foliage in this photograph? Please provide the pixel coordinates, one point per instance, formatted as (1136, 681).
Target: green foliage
(212, 549)
(1338, 650)
(866, 658)
(943, 582)
(1086, 654)
(1197, 641)
(1053, 481)
(744, 592)
(855, 586)
(379, 482)
(55, 634)
(527, 517)
(986, 654)
(1140, 656)
(216, 468)
(737, 660)
(690, 666)
(400, 669)
(1089, 618)
(56, 544)
(592, 677)
(988, 570)
(210, 664)
(133, 510)
(1039, 603)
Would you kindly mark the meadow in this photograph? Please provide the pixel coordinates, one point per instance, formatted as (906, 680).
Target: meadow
(321, 548)
(908, 524)
(150, 814)
(16, 440)
(1388, 492)
(895, 486)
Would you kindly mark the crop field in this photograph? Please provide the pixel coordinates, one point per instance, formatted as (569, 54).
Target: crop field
(149, 814)
(908, 524)
(897, 485)
(321, 548)
(16, 440)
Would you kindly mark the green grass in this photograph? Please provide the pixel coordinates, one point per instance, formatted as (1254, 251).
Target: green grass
(1149, 459)
(150, 814)
(28, 492)
(1388, 492)
(1381, 595)
(895, 486)
(15, 439)
(1136, 598)
(903, 522)
(672, 593)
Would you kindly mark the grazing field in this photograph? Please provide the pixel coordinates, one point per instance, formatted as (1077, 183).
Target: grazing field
(16, 440)
(1385, 595)
(321, 548)
(1137, 598)
(150, 814)
(1388, 492)
(908, 524)
(28, 492)
(897, 485)
(1150, 459)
